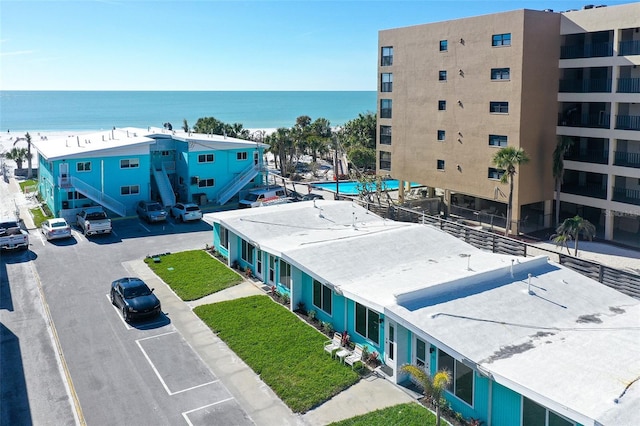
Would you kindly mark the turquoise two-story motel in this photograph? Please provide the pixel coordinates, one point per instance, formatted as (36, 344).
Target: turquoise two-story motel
(119, 167)
(528, 342)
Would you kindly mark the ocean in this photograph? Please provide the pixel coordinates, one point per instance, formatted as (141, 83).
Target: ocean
(22, 111)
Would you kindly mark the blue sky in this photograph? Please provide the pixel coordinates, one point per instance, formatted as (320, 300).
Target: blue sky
(211, 44)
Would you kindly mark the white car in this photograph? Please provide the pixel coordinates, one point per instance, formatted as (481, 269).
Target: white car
(185, 212)
(55, 228)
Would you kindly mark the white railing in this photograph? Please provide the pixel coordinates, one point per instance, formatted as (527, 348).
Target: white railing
(98, 196)
(164, 187)
(238, 183)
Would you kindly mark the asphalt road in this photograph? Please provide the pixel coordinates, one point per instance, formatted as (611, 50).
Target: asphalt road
(143, 373)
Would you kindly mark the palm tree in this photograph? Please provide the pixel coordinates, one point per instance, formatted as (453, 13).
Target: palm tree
(431, 387)
(508, 158)
(185, 125)
(27, 155)
(18, 155)
(571, 229)
(563, 145)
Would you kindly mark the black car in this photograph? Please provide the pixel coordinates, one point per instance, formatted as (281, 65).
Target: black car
(134, 298)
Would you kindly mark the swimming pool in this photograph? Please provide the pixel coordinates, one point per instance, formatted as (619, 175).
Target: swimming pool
(350, 187)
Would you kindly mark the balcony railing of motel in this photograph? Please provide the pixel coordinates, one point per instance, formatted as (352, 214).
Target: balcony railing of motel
(572, 85)
(589, 50)
(589, 190)
(600, 120)
(627, 159)
(630, 47)
(624, 195)
(628, 122)
(597, 156)
(628, 85)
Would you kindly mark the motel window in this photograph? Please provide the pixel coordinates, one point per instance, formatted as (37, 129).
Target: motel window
(247, 252)
(461, 377)
(206, 158)
(386, 82)
(224, 237)
(440, 164)
(385, 160)
(387, 56)
(129, 190)
(385, 108)
(499, 107)
(495, 173)
(131, 163)
(205, 183)
(321, 296)
(285, 274)
(443, 45)
(421, 353)
(442, 105)
(83, 167)
(534, 414)
(74, 195)
(385, 135)
(165, 153)
(500, 73)
(498, 140)
(442, 75)
(441, 135)
(241, 155)
(501, 39)
(367, 323)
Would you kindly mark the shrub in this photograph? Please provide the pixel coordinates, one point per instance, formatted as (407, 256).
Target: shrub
(312, 315)
(285, 299)
(301, 307)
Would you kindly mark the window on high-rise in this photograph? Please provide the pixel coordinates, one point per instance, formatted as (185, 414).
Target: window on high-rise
(386, 56)
(501, 39)
(500, 73)
(385, 108)
(441, 135)
(499, 107)
(495, 173)
(443, 45)
(442, 75)
(498, 140)
(386, 82)
(440, 164)
(385, 161)
(442, 105)
(385, 135)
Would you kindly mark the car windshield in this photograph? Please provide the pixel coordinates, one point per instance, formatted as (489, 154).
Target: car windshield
(154, 207)
(252, 197)
(136, 291)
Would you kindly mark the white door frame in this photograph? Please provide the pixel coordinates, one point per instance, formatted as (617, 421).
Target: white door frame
(391, 345)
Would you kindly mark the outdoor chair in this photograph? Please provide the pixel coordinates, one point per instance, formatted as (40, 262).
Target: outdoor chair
(356, 356)
(334, 344)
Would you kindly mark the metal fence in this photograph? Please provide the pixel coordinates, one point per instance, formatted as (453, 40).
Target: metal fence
(625, 282)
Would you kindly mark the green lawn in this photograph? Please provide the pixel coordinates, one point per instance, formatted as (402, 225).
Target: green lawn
(194, 274)
(398, 415)
(286, 353)
(38, 216)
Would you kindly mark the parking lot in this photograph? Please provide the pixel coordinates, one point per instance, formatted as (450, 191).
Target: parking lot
(165, 370)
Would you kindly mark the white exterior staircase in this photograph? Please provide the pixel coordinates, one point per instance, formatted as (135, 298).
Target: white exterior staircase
(98, 196)
(164, 187)
(238, 183)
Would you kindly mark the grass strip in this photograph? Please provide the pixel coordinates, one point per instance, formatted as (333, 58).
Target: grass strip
(286, 353)
(399, 415)
(193, 274)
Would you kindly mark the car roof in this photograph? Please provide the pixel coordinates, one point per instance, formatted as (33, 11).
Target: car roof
(127, 282)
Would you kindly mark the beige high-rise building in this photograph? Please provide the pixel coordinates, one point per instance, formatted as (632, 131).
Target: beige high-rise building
(451, 94)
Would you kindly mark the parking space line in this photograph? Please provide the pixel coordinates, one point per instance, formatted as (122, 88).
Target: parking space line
(115, 308)
(153, 367)
(194, 387)
(185, 414)
(157, 335)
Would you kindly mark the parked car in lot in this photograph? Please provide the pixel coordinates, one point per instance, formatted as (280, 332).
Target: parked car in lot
(134, 298)
(93, 220)
(55, 228)
(185, 212)
(151, 211)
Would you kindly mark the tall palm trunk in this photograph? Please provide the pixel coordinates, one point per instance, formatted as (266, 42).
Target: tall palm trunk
(509, 206)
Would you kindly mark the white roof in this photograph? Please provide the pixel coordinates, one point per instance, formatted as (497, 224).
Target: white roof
(572, 344)
(129, 141)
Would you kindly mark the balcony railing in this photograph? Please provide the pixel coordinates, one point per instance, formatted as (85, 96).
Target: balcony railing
(600, 120)
(589, 190)
(631, 47)
(628, 85)
(627, 159)
(597, 156)
(628, 122)
(624, 195)
(572, 85)
(595, 50)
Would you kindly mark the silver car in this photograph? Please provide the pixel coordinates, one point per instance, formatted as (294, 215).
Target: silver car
(151, 211)
(55, 228)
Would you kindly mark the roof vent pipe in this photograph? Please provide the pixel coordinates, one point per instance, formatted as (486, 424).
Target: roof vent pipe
(529, 284)
(512, 260)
